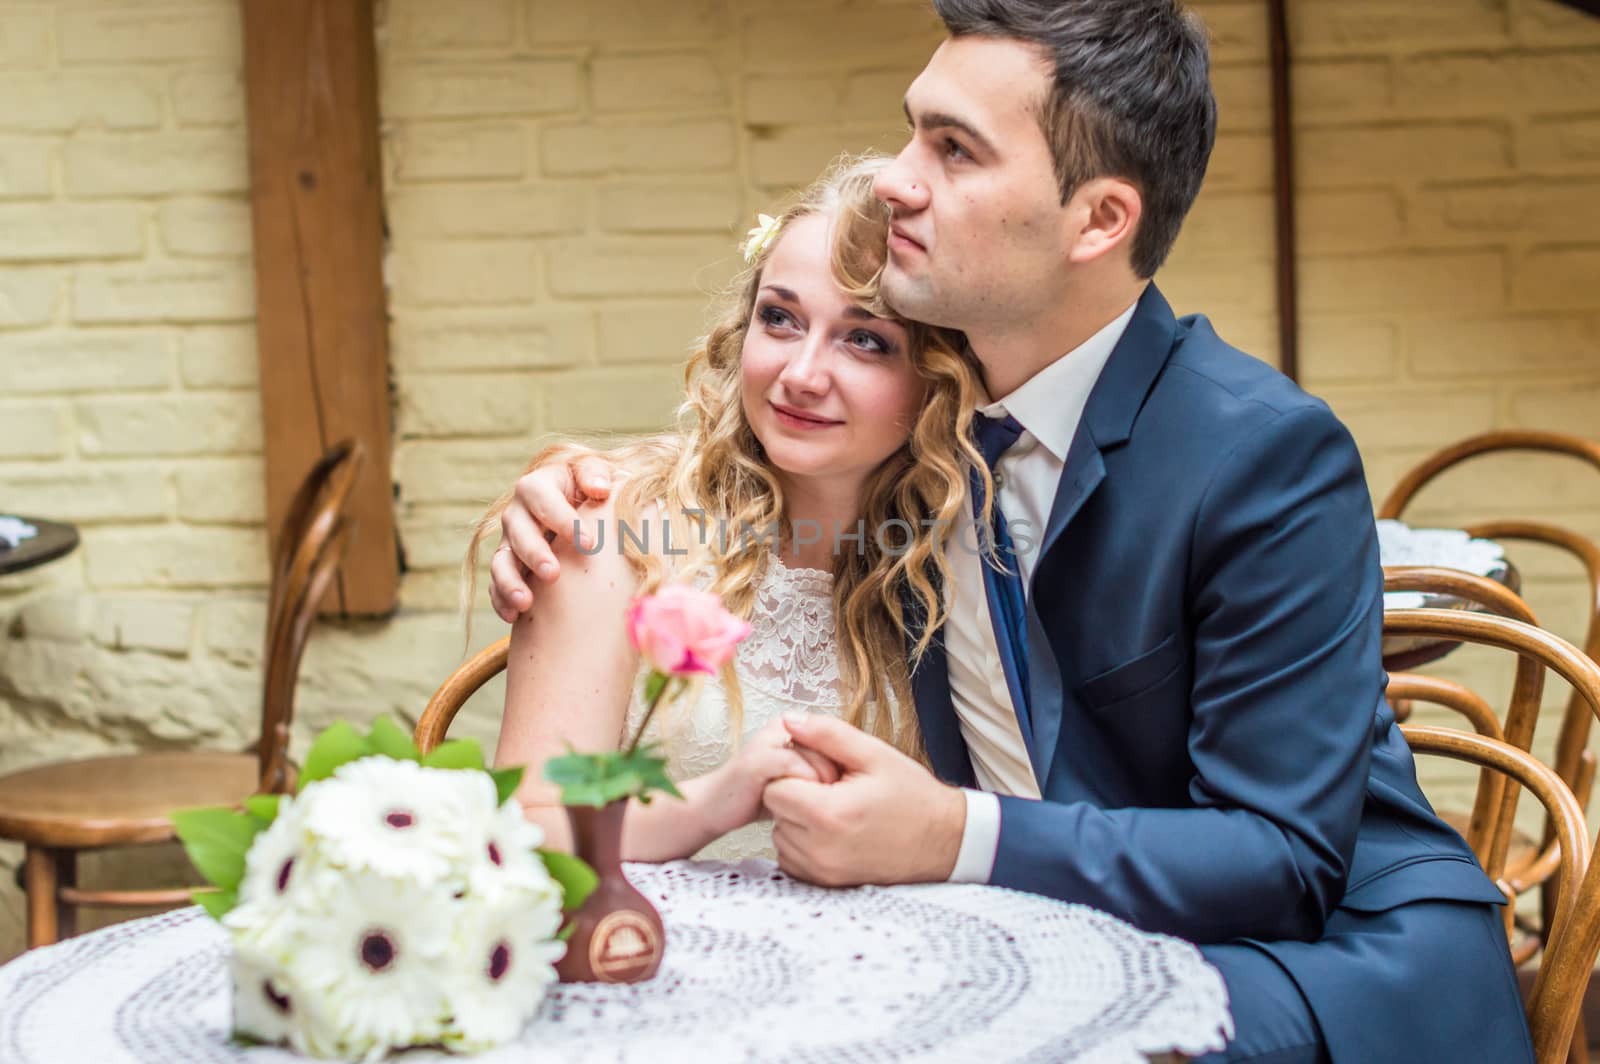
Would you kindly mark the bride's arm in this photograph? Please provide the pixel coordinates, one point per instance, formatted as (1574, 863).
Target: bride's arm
(727, 797)
(569, 677)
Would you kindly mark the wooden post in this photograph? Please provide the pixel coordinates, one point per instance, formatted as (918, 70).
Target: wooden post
(1283, 193)
(317, 206)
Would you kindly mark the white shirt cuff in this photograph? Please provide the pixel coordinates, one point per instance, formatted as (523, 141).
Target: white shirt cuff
(979, 840)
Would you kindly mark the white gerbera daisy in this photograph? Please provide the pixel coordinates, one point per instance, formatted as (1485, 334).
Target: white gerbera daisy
(269, 866)
(372, 954)
(501, 967)
(315, 1034)
(397, 818)
(510, 862)
(264, 1006)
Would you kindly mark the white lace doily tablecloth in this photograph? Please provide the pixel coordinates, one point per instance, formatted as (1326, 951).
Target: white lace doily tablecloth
(758, 967)
(1447, 548)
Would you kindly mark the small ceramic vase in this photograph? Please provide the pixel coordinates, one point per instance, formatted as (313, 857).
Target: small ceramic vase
(617, 935)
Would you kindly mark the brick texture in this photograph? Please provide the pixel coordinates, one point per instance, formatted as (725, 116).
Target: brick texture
(564, 183)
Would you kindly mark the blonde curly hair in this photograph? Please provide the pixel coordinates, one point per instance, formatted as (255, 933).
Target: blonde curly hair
(714, 466)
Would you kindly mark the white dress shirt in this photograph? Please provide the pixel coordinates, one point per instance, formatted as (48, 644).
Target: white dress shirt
(1048, 406)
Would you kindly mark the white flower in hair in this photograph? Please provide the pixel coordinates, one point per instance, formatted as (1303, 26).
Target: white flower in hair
(762, 235)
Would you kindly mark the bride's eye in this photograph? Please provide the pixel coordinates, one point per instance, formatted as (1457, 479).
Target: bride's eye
(870, 341)
(775, 317)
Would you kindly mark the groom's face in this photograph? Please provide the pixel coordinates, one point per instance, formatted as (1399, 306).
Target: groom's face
(979, 230)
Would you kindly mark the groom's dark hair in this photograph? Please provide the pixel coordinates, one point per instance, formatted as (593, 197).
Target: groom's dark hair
(1130, 98)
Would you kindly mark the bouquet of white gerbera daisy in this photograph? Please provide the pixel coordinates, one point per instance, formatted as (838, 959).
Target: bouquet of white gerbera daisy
(397, 900)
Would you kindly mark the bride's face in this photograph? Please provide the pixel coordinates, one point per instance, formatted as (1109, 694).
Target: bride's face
(829, 389)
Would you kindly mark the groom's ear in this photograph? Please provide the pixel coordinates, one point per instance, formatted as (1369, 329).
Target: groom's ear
(1101, 218)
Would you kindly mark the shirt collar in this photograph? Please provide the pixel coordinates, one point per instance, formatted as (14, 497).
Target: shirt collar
(1050, 404)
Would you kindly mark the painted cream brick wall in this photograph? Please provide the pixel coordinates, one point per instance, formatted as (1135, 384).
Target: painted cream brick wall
(565, 183)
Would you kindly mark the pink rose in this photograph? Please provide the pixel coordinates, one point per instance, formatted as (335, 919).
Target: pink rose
(681, 630)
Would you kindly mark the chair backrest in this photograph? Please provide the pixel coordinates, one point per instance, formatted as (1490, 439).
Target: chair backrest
(1574, 932)
(1480, 590)
(1487, 443)
(1575, 724)
(454, 692)
(1536, 650)
(1405, 687)
(1573, 744)
(310, 544)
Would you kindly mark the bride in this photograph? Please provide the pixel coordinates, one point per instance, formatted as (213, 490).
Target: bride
(821, 441)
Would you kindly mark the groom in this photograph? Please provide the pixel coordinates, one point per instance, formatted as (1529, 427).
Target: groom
(1175, 714)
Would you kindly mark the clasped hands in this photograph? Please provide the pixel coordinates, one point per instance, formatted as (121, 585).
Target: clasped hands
(847, 808)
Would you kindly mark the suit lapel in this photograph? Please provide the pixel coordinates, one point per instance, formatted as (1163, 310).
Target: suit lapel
(1107, 423)
(936, 713)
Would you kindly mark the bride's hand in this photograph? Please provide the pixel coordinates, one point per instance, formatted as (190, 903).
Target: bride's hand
(738, 784)
(542, 511)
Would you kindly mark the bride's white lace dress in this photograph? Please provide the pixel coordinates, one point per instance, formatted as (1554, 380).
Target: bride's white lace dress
(789, 661)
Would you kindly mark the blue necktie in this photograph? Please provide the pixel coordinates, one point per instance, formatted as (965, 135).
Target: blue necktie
(1007, 609)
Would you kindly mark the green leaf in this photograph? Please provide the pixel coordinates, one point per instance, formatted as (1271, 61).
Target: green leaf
(598, 779)
(215, 902)
(337, 745)
(659, 780)
(456, 753)
(390, 740)
(593, 794)
(576, 878)
(264, 807)
(216, 841)
(572, 768)
(623, 784)
(506, 782)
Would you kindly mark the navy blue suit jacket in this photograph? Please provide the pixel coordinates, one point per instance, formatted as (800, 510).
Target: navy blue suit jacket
(1208, 729)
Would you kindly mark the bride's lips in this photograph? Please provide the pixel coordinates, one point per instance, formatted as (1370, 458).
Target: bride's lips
(799, 419)
(900, 240)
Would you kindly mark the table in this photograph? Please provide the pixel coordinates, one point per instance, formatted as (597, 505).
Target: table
(55, 539)
(1449, 548)
(758, 967)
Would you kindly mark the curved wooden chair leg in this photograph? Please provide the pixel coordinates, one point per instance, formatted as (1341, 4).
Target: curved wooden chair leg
(39, 873)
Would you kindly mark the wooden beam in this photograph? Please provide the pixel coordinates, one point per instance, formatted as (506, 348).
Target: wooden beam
(317, 207)
(1591, 6)
(1283, 193)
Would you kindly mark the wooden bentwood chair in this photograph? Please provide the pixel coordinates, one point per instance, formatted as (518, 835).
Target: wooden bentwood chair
(1530, 863)
(1553, 1006)
(1572, 744)
(58, 810)
(1489, 830)
(454, 692)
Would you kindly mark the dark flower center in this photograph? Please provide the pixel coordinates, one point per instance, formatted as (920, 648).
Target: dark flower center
(494, 853)
(279, 1001)
(399, 818)
(283, 875)
(377, 950)
(499, 962)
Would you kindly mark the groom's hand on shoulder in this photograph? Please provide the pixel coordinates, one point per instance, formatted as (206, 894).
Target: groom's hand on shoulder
(887, 819)
(541, 512)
